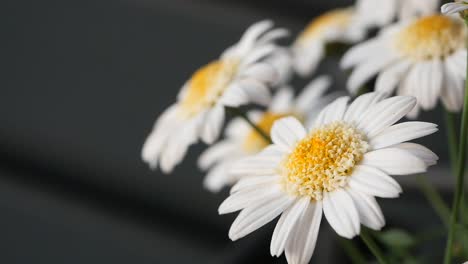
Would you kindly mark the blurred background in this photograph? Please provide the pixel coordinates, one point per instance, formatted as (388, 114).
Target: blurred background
(83, 82)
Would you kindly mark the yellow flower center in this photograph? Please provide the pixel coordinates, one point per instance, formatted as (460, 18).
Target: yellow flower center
(254, 142)
(431, 37)
(322, 161)
(338, 18)
(206, 85)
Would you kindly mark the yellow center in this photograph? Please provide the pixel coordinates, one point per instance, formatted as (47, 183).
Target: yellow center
(206, 85)
(322, 161)
(338, 18)
(254, 142)
(431, 37)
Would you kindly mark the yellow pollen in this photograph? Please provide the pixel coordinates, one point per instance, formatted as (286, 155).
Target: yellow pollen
(432, 37)
(322, 161)
(338, 18)
(254, 142)
(206, 85)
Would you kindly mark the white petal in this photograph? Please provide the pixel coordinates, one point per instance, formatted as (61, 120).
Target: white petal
(453, 8)
(249, 183)
(249, 38)
(372, 181)
(256, 165)
(370, 213)
(217, 152)
(234, 96)
(285, 226)
(385, 114)
(252, 218)
(333, 112)
(425, 154)
(256, 91)
(430, 84)
(361, 52)
(272, 36)
(401, 133)
(364, 72)
(282, 101)
(361, 105)
(453, 90)
(257, 54)
(286, 132)
(307, 58)
(394, 161)
(250, 197)
(261, 71)
(217, 177)
(312, 92)
(390, 77)
(341, 213)
(301, 244)
(213, 124)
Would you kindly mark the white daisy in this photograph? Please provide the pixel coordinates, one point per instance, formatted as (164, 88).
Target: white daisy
(334, 26)
(337, 168)
(453, 8)
(425, 58)
(242, 141)
(377, 13)
(236, 78)
(282, 61)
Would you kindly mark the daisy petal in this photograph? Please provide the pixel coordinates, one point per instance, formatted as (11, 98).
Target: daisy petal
(360, 105)
(212, 124)
(333, 112)
(286, 132)
(425, 154)
(254, 183)
(261, 71)
(370, 213)
(402, 132)
(282, 100)
(374, 182)
(301, 244)
(234, 96)
(286, 224)
(250, 197)
(312, 92)
(394, 161)
(256, 91)
(390, 77)
(216, 153)
(341, 213)
(254, 217)
(385, 114)
(453, 8)
(257, 165)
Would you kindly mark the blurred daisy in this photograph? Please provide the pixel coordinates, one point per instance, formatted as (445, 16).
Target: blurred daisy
(376, 13)
(243, 141)
(236, 78)
(282, 61)
(425, 58)
(334, 26)
(337, 168)
(453, 8)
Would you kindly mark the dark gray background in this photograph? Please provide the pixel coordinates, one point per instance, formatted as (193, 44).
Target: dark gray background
(82, 83)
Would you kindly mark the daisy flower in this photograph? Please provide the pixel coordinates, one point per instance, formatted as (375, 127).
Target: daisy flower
(337, 168)
(453, 8)
(425, 58)
(334, 26)
(375, 13)
(238, 77)
(242, 141)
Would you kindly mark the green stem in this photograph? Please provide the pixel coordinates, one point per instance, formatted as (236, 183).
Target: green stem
(433, 196)
(370, 243)
(352, 251)
(238, 112)
(460, 174)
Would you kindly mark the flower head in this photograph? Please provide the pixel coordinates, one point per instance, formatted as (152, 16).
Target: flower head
(336, 168)
(333, 26)
(424, 58)
(238, 77)
(242, 141)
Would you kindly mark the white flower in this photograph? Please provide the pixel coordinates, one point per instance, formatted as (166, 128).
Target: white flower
(282, 61)
(334, 26)
(337, 168)
(425, 58)
(242, 140)
(377, 13)
(453, 8)
(236, 78)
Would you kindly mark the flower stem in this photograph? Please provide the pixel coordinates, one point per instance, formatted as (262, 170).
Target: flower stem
(352, 251)
(370, 243)
(434, 198)
(242, 114)
(450, 120)
(459, 174)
